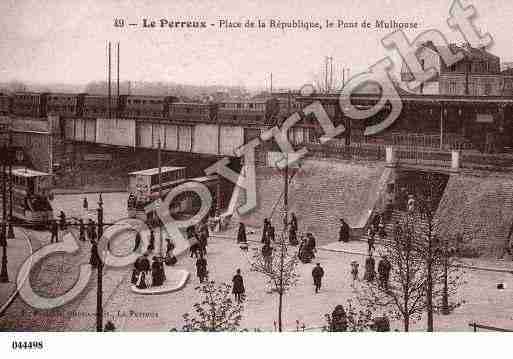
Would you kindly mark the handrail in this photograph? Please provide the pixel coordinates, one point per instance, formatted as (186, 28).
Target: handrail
(488, 327)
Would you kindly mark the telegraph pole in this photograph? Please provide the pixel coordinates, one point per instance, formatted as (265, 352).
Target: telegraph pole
(159, 160)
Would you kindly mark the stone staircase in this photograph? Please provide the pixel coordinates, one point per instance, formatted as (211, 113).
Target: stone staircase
(398, 216)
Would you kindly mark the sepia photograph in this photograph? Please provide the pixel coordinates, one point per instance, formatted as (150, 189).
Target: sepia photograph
(258, 167)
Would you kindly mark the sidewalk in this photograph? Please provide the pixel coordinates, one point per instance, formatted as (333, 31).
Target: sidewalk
(18, 250)
(359, 247)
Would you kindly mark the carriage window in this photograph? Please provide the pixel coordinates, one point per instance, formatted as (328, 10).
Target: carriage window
(30, 185)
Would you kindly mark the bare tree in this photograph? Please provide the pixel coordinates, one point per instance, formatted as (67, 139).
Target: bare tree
(442, 274)
(404, 297)
(280, 269)
(216, 312)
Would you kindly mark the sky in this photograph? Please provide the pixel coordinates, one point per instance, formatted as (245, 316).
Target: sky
(64, 41)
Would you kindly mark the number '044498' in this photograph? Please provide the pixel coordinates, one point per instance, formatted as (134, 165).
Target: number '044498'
(29, 345)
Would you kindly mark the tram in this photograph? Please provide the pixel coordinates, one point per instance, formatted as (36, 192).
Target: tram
(31, 192)
(143, 188)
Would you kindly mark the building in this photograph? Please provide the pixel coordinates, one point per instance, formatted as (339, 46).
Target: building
(477, 74)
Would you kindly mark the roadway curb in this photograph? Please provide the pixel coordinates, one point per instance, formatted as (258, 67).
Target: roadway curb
(63, 191)
(9, 301)
(466, 266)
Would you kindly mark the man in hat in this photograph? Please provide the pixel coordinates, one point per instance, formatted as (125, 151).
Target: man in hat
(384, 267)
(317, 274)
(343, 234)
(238, 286)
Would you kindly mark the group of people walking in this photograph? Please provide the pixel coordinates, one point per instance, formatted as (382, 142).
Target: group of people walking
(384, 269)
(144, 270)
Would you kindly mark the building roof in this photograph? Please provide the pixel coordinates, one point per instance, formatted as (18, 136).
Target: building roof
(154, 171)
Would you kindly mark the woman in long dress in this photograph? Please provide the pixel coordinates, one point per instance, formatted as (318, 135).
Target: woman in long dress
(241, 235)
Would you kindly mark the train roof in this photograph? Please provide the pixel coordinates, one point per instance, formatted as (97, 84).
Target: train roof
(27, 172)
(154, 171)
(204, 178)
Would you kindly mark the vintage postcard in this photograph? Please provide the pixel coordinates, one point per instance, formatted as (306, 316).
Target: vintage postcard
(286, 166)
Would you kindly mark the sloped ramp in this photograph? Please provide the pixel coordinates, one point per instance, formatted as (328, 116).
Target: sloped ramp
(320, 193)
(480, 209)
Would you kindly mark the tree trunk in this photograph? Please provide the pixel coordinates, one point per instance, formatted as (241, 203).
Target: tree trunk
(280, 305)
(429, 280)
(445, 296)
(406, 323)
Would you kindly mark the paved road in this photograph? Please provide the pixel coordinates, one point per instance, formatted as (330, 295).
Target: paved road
(484, 303)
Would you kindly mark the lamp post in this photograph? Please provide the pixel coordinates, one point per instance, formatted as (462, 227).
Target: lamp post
(99, 290)
(10, 234)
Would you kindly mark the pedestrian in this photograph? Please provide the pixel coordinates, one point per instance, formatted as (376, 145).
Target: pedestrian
(343, 234)
(271, 234)
(354, 270)
(311, 244)
(203, 241)
(81, 230)
(201, 268)
(91, 230)
(157, 272)
(170, 257)
(241, 234)
(62, 220)
(293, 221)
(371, 238)
(411, 203)
(151, 245)
(137, 241)
(144, 269)
(370, 272)
(194, 240)
(384, 267)
(293, 236)
(136, 271)
(267, 253)
(317, 274)
(265, 231)
(54, 231)
(238, 287)
(85, 204)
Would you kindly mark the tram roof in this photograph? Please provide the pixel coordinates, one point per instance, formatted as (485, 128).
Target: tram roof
(155, 171)
(27, 172)
(204, 178)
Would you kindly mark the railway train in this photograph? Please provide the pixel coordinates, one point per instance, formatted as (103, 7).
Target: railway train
(40, 105)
